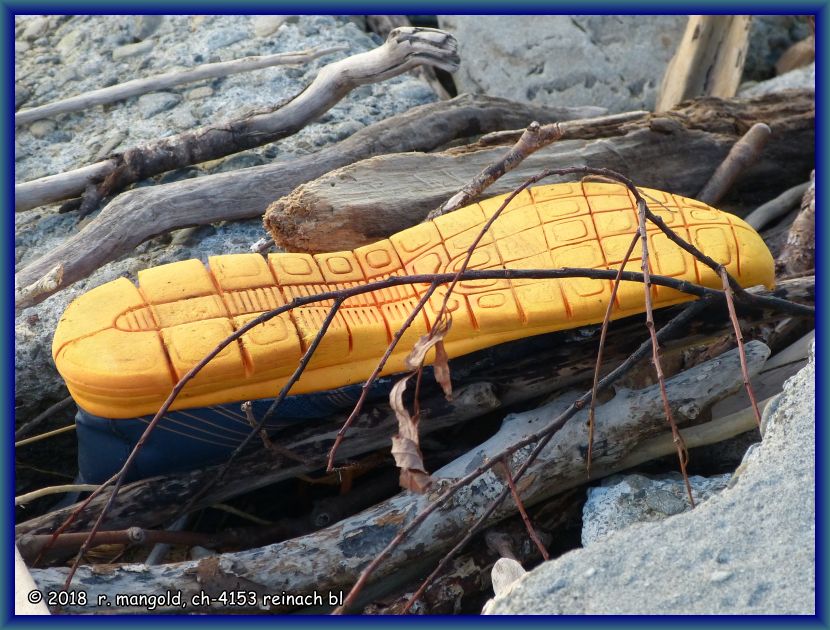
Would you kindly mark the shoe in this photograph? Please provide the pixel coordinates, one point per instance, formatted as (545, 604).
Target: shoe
(121, 348)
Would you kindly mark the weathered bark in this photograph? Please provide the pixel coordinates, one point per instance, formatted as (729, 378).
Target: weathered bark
(709, 60)
(534, 138)
(404, 49)
(139, 214)
(135, 87)
(799, 254)
(676, 151)
(483, 383)
(329, 560)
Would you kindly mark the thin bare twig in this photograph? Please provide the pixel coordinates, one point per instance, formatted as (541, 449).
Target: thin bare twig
(602, 335)
(23, 499)
(44, 436)
(38, 419)
(730, 305)
(525, 518)
(682, 452)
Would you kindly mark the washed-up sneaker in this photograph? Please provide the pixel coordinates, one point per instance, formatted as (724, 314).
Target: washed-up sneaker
(121, 348)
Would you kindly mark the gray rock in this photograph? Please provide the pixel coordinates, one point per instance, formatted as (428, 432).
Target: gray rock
(156, 102)
(622, 500)
(239, 160)
(265, 25)
(21, 94)
(798, 79)
(183, 119)
(41, 128)
(70, 43)
(131, 50)
(21, 47)
(36, 27)
(749, 550)
(145, 25)
(200, 92)
(611, 61)
(224, 38)
(769, 37)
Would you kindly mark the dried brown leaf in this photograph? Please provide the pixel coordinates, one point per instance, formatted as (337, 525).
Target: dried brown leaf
(441, 369)
(415, 480)
(423, 345)
(407, 454)
(405, 445)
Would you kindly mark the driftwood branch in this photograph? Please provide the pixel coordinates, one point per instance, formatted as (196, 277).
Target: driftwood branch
(406, 48)
(799, 254)
(383, 25)
(744, 153)
(674, 151)
(139, 214)
(709, 59)
(776, 208)
(328, 560)
(135, 87)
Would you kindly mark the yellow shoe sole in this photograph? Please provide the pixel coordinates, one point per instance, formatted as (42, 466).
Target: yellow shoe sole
(121, 348)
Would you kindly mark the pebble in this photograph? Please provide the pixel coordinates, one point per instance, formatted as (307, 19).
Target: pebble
(145, 25)
(200, 92)
(36, 27)
(131, 50)
(226, 38)
(720, 576)
(237, 161)
(264, 25)
(70, 43)
(41, 128)
(110, 144)
(21, 46)
(184, 119)
(156, 102)
(21, 94)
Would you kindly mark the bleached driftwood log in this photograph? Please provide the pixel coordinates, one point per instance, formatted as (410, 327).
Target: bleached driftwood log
(777, 207)
(676, 151)
(404, 49)
(330, 559)
(139, 214)
(709, 59)
(483, 383)
(135, 87)
(383, 25)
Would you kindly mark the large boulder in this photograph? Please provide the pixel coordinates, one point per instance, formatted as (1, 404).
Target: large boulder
(748, 550)
(613, 61)
(606, 60)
